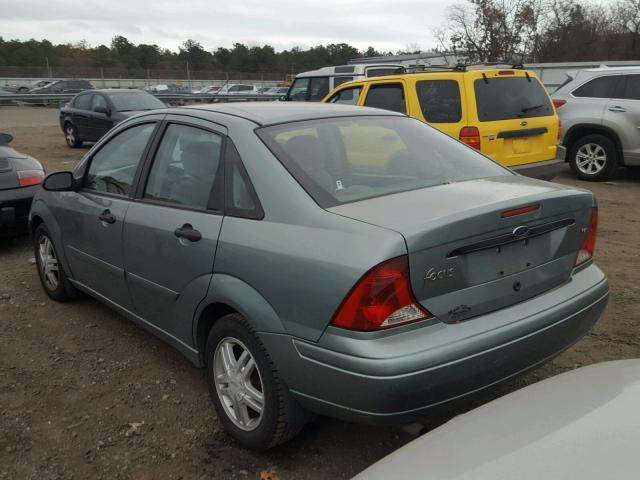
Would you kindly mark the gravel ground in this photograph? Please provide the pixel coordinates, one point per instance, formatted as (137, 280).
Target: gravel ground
(84, 393)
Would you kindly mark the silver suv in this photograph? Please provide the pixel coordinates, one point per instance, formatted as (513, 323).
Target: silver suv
(600, 113)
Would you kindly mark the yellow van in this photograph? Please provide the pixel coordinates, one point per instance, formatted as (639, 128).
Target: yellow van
(505, 113)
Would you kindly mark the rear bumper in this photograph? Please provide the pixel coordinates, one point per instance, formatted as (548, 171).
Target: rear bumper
(14, 209)
(393, 379)
(546, 170)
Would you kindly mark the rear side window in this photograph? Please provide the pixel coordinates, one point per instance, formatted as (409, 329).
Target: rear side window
(511, 98)
(601, 87)
(83, 102)
(240, 197)
(318, 88)
(632, 87)
(388, 96)
(337, 81)
(379, 72)
(348, 96)
(440, 100)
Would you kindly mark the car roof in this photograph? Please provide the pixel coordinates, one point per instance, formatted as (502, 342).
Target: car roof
(111, 91)
(612, 69)
(270, 113)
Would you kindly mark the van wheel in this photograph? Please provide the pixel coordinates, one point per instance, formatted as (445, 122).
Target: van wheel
(593, 157)
(252, 403)
(71, 136)
(51, 272)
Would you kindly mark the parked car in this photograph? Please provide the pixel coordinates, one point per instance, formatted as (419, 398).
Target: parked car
(167, 88)
(277, 91)
(25, 87)
(20, 177)
(505, 113)
(313, 86)
(91, 114)
(323, 271)
(64, 86)
(599, 112)
(211, 89)
(238, 89)
(580, 424)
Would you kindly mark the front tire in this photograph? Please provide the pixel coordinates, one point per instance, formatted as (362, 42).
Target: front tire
(593, 157)
(53, 278)
(71, 136)
(251, 402)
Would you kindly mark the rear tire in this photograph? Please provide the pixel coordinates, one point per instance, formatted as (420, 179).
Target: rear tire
(71, 136)
(53, 278)
(593, 157)
(246, 384)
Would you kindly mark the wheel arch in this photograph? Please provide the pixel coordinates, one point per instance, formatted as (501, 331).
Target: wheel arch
(583, 129)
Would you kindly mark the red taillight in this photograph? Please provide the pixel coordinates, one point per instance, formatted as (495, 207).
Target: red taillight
(520, 211)
(589, 244)
(470, 136)
(557, 102)
(26, 178)
(382, 298)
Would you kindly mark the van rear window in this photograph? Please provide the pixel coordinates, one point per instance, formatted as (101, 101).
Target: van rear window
(509, 98)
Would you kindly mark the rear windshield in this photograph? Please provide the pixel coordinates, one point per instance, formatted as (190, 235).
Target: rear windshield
(134, 101)
(342, 160)
(509, 98)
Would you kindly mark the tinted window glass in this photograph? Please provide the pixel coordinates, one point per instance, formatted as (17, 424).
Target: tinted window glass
(135, 101)
(318, 88)
(299, 89)
(241, 198)
(99, 101)
(83, 102)
(348, 96)
(185, 168)
(632, 88)
(601, 87)
(512, 97)
(440, 100)
(389, 96)
(344, 160)
(337, 81)
(113, 168)
(379, 72)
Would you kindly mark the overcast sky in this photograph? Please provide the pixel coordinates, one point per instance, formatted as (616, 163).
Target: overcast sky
(384, 24)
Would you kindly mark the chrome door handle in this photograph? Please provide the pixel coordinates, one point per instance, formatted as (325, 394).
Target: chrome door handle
(107, 217)
(617, 108)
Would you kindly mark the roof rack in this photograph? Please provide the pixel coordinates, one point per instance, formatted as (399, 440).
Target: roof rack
(459, 67)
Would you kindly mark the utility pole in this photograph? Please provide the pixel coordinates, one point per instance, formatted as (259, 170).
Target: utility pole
(48, 67)
(188, 75)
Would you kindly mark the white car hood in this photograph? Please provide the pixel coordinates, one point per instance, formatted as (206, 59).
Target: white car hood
(582, 424)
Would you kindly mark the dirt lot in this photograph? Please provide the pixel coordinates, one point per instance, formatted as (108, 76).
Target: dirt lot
(84, 393)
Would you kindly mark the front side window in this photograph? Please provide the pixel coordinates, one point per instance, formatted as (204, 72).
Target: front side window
(440, 100)
(99, 102)
(113, 167)
(348, 96)
(342, 160)
(185, 168)
(601, 87)
(508, 98)
(388, 96)
(299, 89)
(83, 102)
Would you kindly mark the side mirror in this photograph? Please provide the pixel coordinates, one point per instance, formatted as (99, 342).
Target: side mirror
(283, 98)
(5, 138)
(59, 182)
(104, 110)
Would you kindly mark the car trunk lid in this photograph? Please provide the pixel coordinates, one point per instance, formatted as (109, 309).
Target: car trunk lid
(466, 257)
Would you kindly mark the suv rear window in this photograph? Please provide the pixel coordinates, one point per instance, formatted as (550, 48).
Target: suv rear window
(509, 98)
(342, 160)
(601, 87)
(440, 100)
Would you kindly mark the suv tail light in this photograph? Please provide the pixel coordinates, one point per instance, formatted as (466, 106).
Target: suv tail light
(589, 244)
(557, 102)
(382, 298)
(26, 178)
(470, 136)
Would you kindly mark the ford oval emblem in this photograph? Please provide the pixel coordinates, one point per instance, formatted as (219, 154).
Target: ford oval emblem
(521, 231)
(523, 123)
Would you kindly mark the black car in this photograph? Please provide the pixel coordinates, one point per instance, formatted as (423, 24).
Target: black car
(89, 115)
(20, 177)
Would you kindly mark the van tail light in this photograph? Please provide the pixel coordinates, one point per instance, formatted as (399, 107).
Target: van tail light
(27, 178)
(558, 102)
(589, 244)
(470, 136)
(382, 298)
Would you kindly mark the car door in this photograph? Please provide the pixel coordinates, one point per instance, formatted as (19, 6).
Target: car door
(386, 95)
(171, 231)
(80, 115)
(99, 122)
(92, 217)
(622, 115)
(439, 101)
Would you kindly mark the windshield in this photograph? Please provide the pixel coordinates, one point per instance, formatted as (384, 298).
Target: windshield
(509, 98)
(342, 160)
(134, 101)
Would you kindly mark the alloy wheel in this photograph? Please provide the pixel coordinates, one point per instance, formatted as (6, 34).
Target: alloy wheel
(238, 384)
(591, 158)
(70, 135)
(48, 263)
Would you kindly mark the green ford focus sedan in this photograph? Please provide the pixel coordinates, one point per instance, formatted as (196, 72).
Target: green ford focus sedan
(327, 259)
